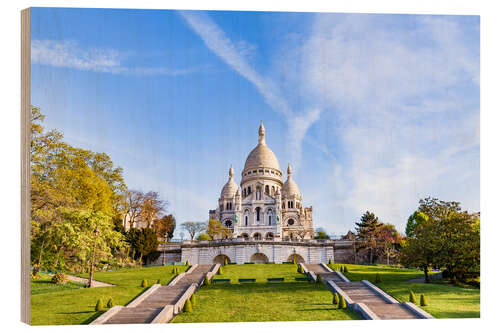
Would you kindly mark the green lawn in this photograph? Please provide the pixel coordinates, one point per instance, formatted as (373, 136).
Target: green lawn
(72, 304)
(285, 301)
(445, 300)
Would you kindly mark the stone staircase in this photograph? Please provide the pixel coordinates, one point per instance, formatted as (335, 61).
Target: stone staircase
(149, 308)
(360, 292)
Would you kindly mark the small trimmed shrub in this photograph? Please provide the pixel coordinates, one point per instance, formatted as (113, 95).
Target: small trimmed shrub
(111, 303)
(187, 263)
(59, 278)
(319, 279)
(336, 298)
(225, 262)
(158, 281)
(144, 283)
(330, 261)
(219, 272)
(293, 261)
(377, 278)
(193, 300)
(423, 300)
(206, 281)
(99, 305)
(342, 304)
(301, 270)
(341, 269)
(345, 269)
(413, 298)
(188, 307)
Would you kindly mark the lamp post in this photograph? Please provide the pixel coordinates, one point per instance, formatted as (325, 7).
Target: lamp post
(164, 247)
(91, 275)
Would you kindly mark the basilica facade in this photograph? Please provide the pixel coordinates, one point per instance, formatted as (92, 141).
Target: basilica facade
(263, 207)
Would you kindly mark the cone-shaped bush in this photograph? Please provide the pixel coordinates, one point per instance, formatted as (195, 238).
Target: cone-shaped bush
(330, 261)
(294, 262)
(206, 281)
(144, 283)
(188, 307)
(193, 300)
(345, 269)
(187, 263)
(158, 281)
(219, 272)
(319, 279)
(377, 278)
(336, 298)
(110, 304)
(423, 300)
(413, 298)
(301, 270)
(225, 262)
(174, 270)
(342, 304)
(99, 305)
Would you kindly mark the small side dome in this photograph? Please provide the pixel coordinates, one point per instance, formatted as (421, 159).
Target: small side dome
(230, 188)
(290, 187)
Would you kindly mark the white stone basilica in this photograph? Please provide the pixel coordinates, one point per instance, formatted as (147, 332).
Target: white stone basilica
(264, 207)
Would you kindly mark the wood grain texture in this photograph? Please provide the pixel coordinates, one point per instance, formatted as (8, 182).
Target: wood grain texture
(25, 167)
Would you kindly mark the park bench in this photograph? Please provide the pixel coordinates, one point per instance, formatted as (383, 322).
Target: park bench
(287, 262)
(221, 280)
(246, 280)
(249, 263)
(271, 280)
(303, 278)
(232, 263)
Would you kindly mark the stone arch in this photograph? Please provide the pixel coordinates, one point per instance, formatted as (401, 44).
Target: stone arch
(245, 236)
(269, 236)
(259, 258)
(221, 259)
(298, 258)
(228, 223)
(257, 236)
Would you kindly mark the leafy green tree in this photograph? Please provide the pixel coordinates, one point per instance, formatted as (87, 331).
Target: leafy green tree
(368, 230)
(321, 234)
(143, 241)
(203, 236)
(217, 231)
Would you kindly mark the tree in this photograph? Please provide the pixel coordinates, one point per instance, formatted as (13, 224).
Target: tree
(143, 241)
(165, 226)
(203, 236)
(368, 231)
(193, 228)
(390, 239)
(447, 239)
(152, 207)
(321, 234)
(216, 230)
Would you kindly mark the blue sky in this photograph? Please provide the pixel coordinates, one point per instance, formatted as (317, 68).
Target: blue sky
(373, 112)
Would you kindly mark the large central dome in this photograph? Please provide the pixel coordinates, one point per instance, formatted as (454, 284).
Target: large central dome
(261, 156)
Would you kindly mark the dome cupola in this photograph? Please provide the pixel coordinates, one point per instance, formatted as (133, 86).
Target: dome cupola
(290, 188)
(230, 189)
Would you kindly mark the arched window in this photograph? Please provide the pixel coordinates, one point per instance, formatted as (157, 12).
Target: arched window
(228, 223)
(267, 189)
(246, 220)
(283, 205)
(270, 219)
(249, 190)
(291, 221)
(244, 192)
(258, 194)
(273, 190)
(257, 211)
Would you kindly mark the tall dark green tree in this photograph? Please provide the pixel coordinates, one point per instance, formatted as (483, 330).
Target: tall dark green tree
(143, 242)
(368, 230)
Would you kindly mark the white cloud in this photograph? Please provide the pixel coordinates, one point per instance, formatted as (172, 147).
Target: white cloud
(69, 54)
(236, 55)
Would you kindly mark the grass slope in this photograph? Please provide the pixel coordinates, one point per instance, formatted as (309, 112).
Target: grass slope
(285, 301)
(72, 304)
(445, 300)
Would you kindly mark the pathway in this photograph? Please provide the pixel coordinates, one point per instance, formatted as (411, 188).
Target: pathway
(362, 293)
(85, 281)
(153, 304)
